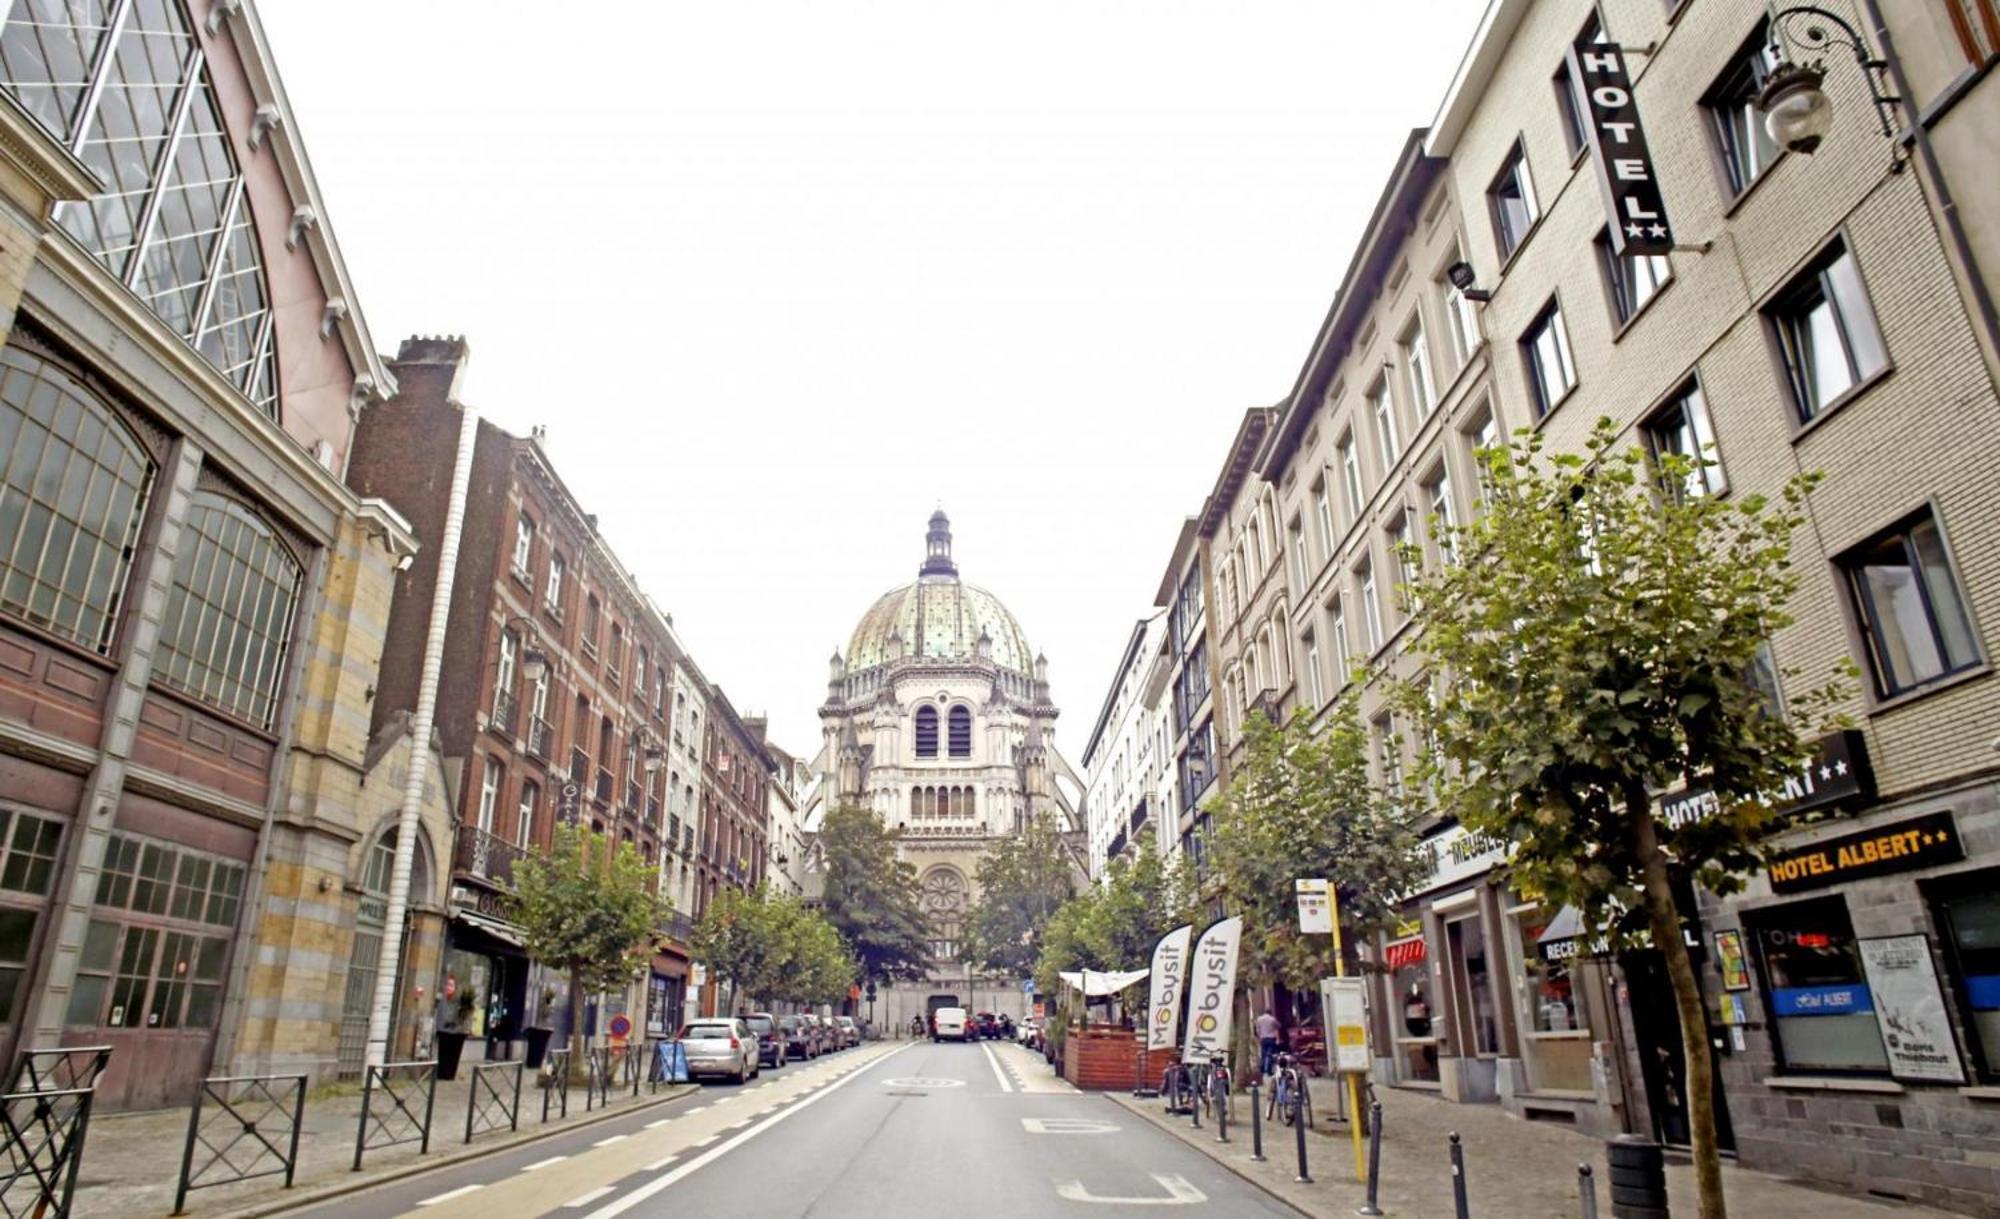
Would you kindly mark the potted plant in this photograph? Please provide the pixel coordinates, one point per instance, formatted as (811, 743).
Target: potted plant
(452, 1034)
(540, 1031)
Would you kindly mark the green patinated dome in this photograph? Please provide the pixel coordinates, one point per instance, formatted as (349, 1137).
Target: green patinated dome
(939, 616)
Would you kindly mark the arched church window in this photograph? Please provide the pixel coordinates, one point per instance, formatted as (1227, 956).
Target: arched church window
(961, 732)
(228, 621)
(927, 731)
(916, 803)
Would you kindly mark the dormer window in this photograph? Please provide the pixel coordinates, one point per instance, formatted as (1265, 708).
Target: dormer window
(927, 731)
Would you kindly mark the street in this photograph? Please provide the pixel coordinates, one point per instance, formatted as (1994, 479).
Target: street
(887, 1129)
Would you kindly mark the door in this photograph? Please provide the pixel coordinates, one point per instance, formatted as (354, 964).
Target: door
(1656, 1033)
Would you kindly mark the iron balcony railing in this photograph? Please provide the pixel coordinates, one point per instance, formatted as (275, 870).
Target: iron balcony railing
(633, 800)
(505, 707)
(579, 766)
(541, 738)
(484, 855)
(603, 790)
(677, 927)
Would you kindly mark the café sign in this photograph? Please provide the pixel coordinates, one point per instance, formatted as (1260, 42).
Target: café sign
(1919, 842)
(1638, 211)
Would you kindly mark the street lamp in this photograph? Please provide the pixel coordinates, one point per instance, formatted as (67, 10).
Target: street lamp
(1462, 277)
(1796, 109)
(534, 661)
(654, 758)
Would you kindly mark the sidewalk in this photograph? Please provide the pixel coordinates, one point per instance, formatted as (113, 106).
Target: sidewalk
(132, 1161)
(1514, 1169)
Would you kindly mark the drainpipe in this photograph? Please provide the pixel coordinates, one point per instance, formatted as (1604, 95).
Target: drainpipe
(420, 747)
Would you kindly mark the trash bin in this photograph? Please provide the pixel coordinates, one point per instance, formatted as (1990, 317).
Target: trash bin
(1638, 1178)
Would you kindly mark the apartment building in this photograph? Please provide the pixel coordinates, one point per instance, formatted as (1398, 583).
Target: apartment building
(1128, 764)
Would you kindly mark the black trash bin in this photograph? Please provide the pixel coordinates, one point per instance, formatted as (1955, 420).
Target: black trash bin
(1638, 1178)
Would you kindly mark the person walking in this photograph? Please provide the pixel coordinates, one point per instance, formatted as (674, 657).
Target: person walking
(1267, 1043)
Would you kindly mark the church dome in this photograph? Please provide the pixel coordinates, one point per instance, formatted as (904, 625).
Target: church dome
(939, 617)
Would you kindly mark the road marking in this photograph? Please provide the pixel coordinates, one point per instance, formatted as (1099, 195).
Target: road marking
(592, 1196)
(1179, 1193)
(705, 1142)
(543, 1163)
(460, 1192)
(1066, 1125)
(616, 1138)
(656, 1125)
(709, 1157)
(657, 1165)
(698, 1109)
(998, 1074)
(923, 1082)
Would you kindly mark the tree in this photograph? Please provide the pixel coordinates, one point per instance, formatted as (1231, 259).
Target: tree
(1023, 881)
(588, 909)
(1599, 639)
(737, 938)
(1115, 923)
(871, 895)
(1301, 805)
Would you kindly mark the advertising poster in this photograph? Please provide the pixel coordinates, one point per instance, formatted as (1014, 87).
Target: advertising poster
(1730, 959)
(1166, 985)
(1345, 1002)
(1910, 1008)
(1212, 991)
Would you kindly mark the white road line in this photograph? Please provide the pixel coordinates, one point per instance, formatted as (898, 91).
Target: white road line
(657, 1165)
(654, 1186)
(460, 1192)
(616, 1138)
(994, 1061)
(543, 1163)
(705, 1142)
(656, 1125)
(587, 1199)
(698, 1109)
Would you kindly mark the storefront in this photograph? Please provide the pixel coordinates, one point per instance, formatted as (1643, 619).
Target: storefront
(483, 989)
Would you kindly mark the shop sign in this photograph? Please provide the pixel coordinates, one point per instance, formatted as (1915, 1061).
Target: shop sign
(1637, 209)
(1347, 1017)
(1401, 953)
(1919, 842)
(1315, 907)
(1909, 1006)
(1837, 773)
(1850, 999)
(1458, 854)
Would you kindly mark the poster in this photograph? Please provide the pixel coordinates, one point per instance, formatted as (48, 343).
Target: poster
(1730, 959)
(1315, 907)
(1345, 1002)
(1169, 980)
(1910, 1009)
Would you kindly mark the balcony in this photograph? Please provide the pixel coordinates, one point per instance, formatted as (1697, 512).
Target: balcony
(484, 856)
(1266, 704)
(506, 708)
(541, 738)
(633, 800)
(604, 786)
(677, 927)
(579, 766)
(652, 812)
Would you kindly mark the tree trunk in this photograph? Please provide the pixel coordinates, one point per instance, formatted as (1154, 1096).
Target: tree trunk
(1663, 919)
(576, 1064)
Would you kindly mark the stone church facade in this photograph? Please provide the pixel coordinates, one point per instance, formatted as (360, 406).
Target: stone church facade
(938, 718)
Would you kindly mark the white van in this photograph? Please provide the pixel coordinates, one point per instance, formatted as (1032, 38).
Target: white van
(949, 1022)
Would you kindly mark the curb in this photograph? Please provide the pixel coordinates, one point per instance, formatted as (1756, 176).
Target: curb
(1260, 1186)
(289, 1200)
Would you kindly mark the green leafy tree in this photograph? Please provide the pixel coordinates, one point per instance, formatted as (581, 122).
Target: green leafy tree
(1301, 805)
(739, 939)
(1023, 881)
(587, 908)
(871, 895)
(1599, 640)
(1114, 924)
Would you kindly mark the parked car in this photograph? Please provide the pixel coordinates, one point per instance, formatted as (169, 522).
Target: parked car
(987, 1025)
(951, 1024)
(1029, 1033)
(721, 1045)
(770, 1043)
(850, 1032)
(800, 1042)
(822, 1044)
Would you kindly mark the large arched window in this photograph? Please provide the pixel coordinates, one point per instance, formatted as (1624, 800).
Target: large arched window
(961, 732)
(229, 614)
(125, 86)
(73, 487)
(927, 731)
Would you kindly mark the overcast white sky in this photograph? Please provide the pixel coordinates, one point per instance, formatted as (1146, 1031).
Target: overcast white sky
(780, 278)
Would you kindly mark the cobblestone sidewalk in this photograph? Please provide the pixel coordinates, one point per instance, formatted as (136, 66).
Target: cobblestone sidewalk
(1515, 1169)
(132, 1161)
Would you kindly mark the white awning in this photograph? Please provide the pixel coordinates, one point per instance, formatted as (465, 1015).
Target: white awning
(497, 928)
(1095, 983)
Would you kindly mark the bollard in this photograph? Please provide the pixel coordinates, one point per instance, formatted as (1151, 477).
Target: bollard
(1304, 1177)
(1370, 1207)
(1220, 1087)
(1194, 1106)
(1586, 1188)
(1638, 1177)
(1256, 1127)
(1458, 1177)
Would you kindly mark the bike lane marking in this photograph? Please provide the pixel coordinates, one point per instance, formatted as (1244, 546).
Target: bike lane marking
(584, 1200)
(1179, 1193)
(460, 1192)
(993, 1060)
(543, 1163)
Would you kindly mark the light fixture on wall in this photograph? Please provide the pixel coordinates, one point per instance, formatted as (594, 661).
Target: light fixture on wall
(1797, 112)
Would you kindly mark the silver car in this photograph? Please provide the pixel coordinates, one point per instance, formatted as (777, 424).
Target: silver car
(720, 1045)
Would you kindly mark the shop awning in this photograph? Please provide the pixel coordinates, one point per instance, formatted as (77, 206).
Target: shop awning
(497, 928)
(1400, 953)
(1562, 939)
(1096, 983)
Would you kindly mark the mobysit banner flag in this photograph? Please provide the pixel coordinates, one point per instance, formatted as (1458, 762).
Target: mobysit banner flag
(1169, 981)
(1212, 990)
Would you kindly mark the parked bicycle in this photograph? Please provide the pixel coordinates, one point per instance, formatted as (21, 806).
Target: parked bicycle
(1212, 1084)
(1177, 1087)
(1291, 1097)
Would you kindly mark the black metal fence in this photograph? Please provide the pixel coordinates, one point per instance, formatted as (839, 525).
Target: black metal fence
(396, 1103)
(494, 1099)
(60, 1070)
(44, 1115)
(556, 1089)
(597, 1081)
(241, 1127)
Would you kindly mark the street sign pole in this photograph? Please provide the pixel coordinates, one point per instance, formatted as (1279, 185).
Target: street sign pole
(1353, 1080)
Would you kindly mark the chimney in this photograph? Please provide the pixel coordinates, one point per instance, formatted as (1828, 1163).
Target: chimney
(431, 366)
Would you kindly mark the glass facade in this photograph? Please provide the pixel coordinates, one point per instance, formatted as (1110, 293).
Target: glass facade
(1822, 1011)
(229, 614)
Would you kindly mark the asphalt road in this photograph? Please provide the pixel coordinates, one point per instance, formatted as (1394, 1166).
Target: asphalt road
(890, 1129)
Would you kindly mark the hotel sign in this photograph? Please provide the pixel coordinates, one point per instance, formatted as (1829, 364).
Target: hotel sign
(1902, 846)
(1638, 211)
(1837, 773)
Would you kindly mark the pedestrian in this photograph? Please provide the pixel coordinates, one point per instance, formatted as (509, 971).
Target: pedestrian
(1267, 1042)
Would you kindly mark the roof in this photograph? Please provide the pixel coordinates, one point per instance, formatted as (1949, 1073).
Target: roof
(1475, 71)
(1243, 452)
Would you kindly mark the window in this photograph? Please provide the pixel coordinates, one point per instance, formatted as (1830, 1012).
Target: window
(614, 655)
(489, 793)
(1569, 92)
(1512, 199)
(524, 544)
(150, 882)
(1323, 512)
(1382, 405)
(1822, 1014)
(1371, 607)
(1916, 622)
(1556, 1034)
(1976, 23)
(503, 680)
(1300, 555)
(1437, 495)
(172, 224)
(1417, 362)
(1343, 648)
(927, 731)
(961, 732)
(228, 620)
(524, 814)
(1827, 332)
(591, 614)
(73, 490)
(30, 844)
(1545, 348)
(1314, 683)
(1681, 428)
(1389, 756)
(552, 591)
(1462, 326)
(1402, 546)
(1350, 476)
(1632, 279)
(1746, 146)
(1967, 912)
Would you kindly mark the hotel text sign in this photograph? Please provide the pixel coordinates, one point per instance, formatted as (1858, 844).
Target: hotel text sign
(1638, 211)
(1919, 842)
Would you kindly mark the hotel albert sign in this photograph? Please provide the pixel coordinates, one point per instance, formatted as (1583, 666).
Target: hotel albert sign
(1632, 198)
